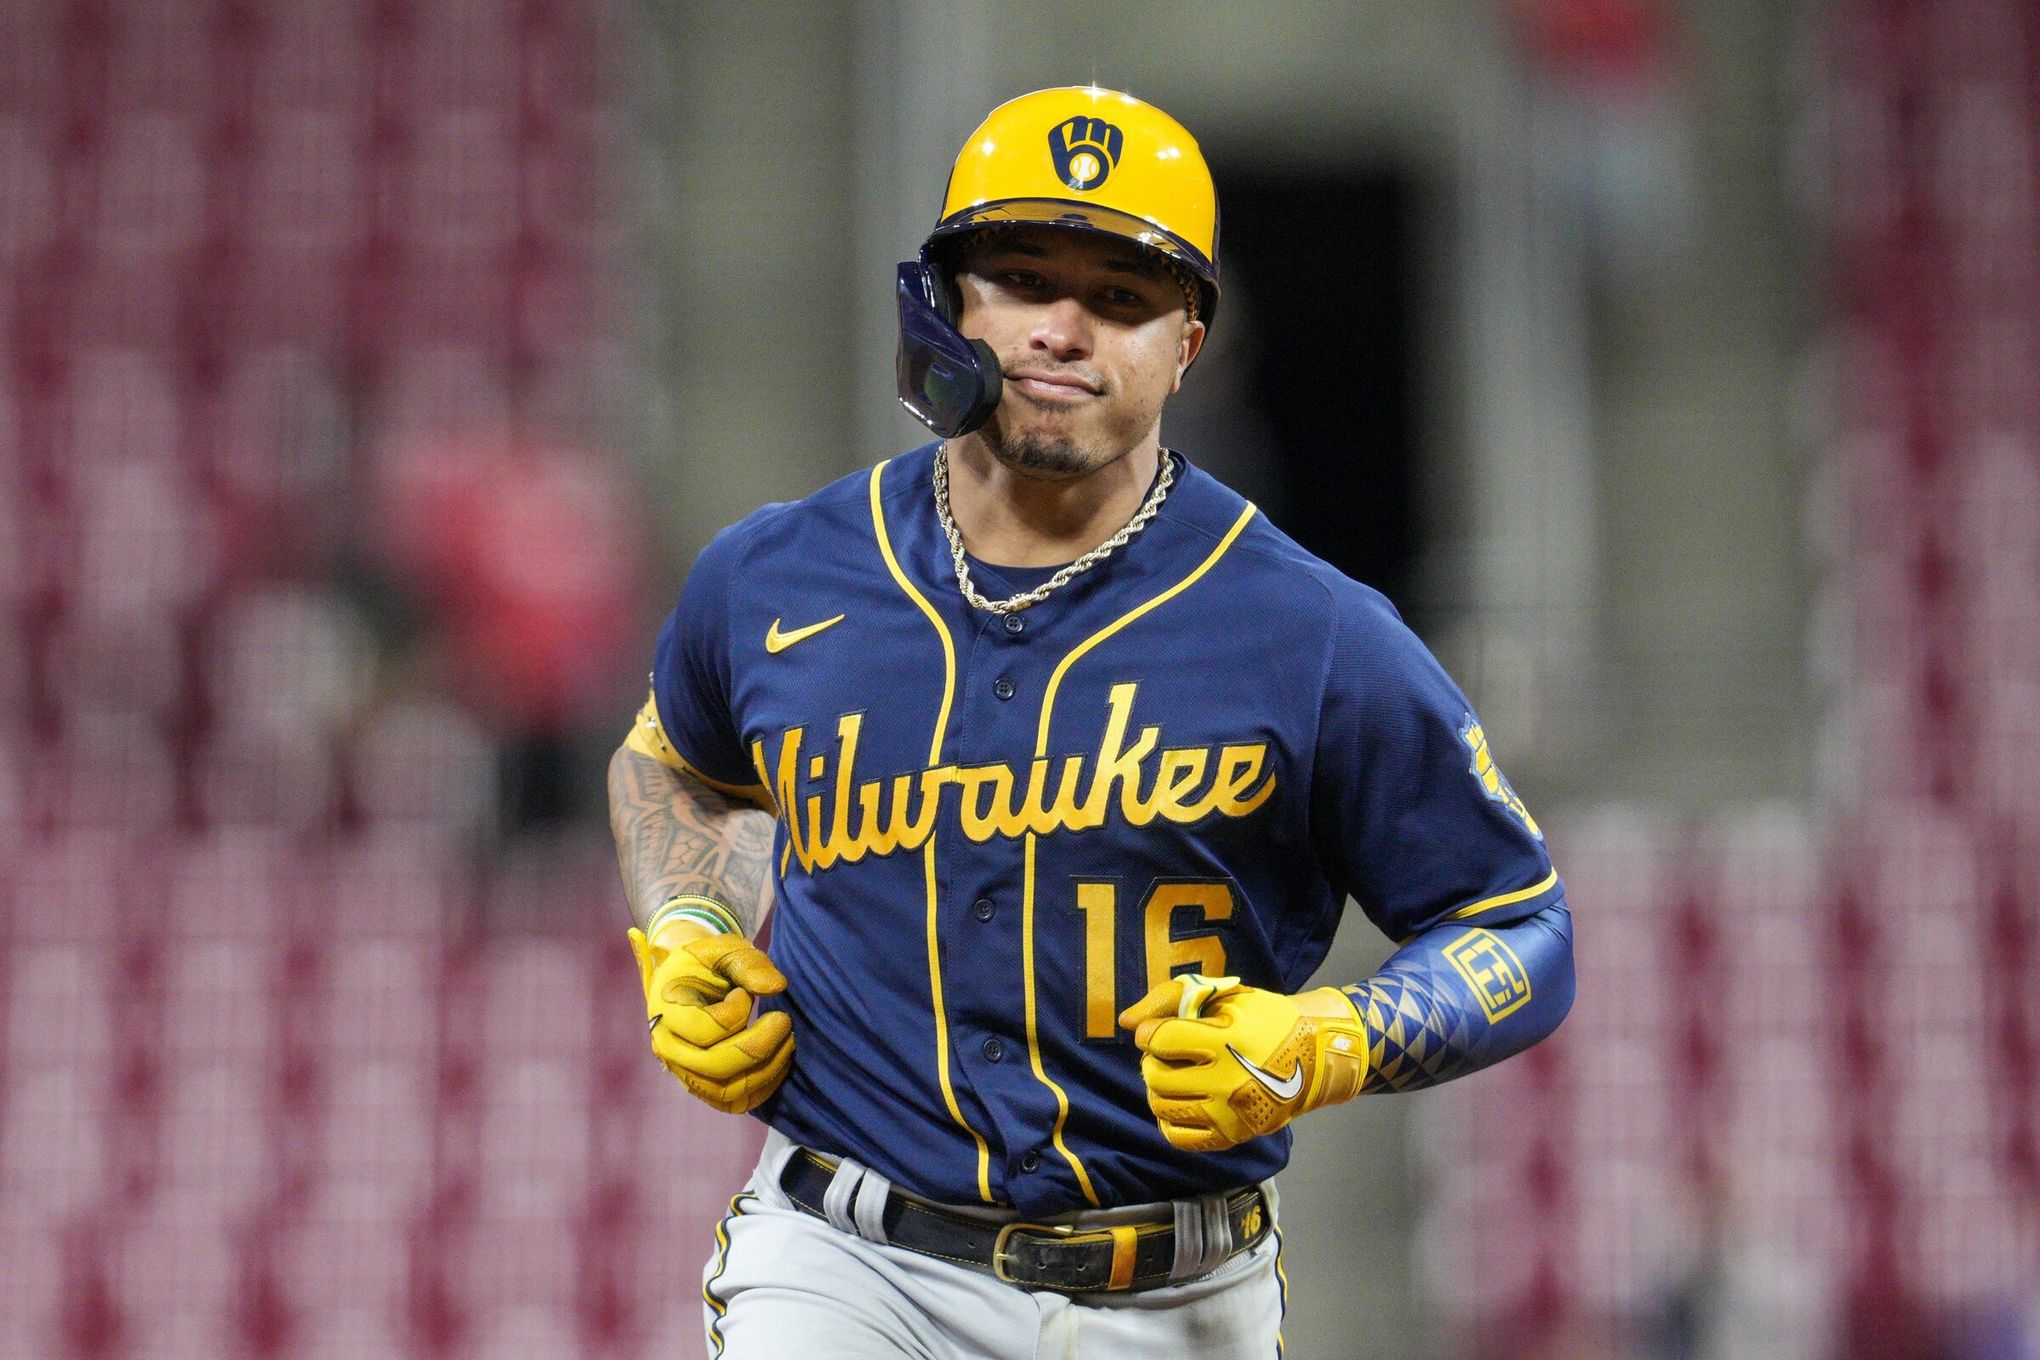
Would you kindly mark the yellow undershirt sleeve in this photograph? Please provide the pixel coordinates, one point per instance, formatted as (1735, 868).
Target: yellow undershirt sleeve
(648, 738)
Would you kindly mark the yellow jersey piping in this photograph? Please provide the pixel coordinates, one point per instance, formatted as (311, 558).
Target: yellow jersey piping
(1490, 903)
(892, 563)
(1542, 885)
(1062, 1100)
(1062, 667)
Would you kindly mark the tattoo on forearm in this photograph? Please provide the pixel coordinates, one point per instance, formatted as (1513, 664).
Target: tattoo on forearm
(675, 835)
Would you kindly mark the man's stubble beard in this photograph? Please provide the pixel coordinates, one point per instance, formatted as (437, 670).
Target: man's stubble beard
(1039, 456)
(1045, 456)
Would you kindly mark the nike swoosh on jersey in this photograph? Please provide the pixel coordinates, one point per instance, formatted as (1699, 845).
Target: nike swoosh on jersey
(777, 642)
(1282, 1088)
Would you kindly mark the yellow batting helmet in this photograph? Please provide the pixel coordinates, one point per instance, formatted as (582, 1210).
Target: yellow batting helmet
(1077, 157)
(1096, 160)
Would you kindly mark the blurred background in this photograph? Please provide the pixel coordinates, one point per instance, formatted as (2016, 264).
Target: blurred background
(370, 371)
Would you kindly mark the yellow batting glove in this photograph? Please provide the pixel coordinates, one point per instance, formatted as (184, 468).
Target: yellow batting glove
(698, 997)
(1224, 1062)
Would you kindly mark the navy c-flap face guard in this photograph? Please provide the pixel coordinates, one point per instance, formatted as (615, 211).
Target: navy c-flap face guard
(949, 383)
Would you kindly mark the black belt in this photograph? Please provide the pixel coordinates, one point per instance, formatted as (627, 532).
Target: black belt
(1062, 1257)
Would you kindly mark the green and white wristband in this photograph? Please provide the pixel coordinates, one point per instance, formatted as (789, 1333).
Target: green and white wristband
(705, 910)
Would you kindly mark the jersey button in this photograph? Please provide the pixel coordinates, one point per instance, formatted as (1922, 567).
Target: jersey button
(982, 909)
(1015, 624)
(994, 1050)
(1030, 1161)
(1003, 687)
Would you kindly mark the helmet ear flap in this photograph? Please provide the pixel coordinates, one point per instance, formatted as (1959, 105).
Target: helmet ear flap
(946, 381)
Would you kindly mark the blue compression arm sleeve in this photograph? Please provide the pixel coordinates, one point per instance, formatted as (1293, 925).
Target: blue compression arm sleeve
(1457, 998)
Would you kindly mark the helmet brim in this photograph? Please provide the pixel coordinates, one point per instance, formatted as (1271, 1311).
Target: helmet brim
(1074, 216)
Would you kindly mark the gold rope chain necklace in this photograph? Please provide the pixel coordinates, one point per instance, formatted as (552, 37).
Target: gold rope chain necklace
(1028, 598)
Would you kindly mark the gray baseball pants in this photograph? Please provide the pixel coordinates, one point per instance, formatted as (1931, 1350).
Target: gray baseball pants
(783, 1283)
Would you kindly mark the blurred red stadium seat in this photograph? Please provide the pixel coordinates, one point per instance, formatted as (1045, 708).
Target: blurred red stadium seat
(559, 306)
(1920, 855)
(343, 1277)
(29, 1265)
(53, 1140)
(29, 80)
(532, 1158)
(1634, 1237)
(279, 297)
(145, 553)
(351, 1331)
(461, 186)
(1623, 1106)
(567, 201)
(289, 659)
(376, 1134)
(1972, 1244)
(690, 1159)
(217, 1000)
(130, 302)
(534, 1001)
(437, 392)
(424, 763)
(216, 1130)
(538, 1320)
(225, 885)
(124, 415)
(400, 882)
(461, 56)
(176, 1278)
(305, 199)
(63, 895)
(120, 665)
(382, 993)
(1783, 1099)
(438, 303)
(28, 183)
(276, 430)
(14, 824)
(150, 202)
(1480, 1251)
(57, 1011)
(165, 56)
(314, 54)
(285, 780)
(114, 773)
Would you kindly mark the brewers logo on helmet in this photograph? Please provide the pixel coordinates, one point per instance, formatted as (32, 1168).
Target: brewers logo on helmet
(1079, 158)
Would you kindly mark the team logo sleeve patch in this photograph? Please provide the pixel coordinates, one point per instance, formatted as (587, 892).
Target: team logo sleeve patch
(1492, 969)
(1492, 782)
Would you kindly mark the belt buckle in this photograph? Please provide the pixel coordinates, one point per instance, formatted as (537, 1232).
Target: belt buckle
(1065, 1234)
(1005, 1234)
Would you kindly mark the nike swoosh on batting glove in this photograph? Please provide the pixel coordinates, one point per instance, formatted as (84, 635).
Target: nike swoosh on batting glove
(1224, 1062)
(698, 1002)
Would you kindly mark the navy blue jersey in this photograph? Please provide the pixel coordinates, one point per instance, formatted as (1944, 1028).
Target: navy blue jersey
(996, 832)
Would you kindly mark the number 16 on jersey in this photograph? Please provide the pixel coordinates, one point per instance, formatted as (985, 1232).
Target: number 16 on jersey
(1204, 904)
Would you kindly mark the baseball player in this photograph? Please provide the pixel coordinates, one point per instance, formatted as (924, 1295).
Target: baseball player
(1055, 764)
